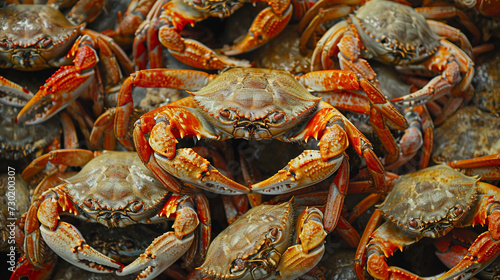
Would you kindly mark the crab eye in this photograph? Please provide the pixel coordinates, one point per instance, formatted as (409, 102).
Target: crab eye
(273, 234)
(237, 266)
(226, 115)
(136, 206)
(45, 42)
(413, 223)
(456, 211)
(276, 117)
(89, 203)
(4, 44)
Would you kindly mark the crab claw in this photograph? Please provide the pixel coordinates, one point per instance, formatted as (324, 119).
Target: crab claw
(306, 169)
(67, 242)
(13, 94)
(162, 252)
(190, 167)
(59, 91)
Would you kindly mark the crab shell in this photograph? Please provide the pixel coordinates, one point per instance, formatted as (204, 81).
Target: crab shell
(406, 39)
(116, 189)
(251, 247)
(34, 37)
(430, 202)
(255, 103)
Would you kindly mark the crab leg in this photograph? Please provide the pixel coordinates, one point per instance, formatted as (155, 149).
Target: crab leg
(61, 237)
(71, 157)
(268, 23)
(486, 166)
(179, 79)
(299, 259)
(449, 78)
(69, 244)
(340, 80)
(167, 248)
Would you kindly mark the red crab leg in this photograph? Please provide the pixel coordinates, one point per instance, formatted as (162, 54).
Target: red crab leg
(486, 166)
(26, 270)
(71, 157)
(355, 102)
(136, 13)
(340, 80)
(103, 131)
(167, 248)
(486, 247)
(63, 87)
(451, 71)
(268, 23)
(179, 79)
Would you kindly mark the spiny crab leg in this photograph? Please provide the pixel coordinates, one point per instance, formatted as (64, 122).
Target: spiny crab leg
(450, 70)
(63, 87)
(180, 79)
(297, 173)
(14, 94)
(69, 244)
(167, 248)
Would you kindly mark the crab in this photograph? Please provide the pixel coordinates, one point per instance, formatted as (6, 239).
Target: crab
(114, 189)
(49, 40)
(430, 203)
(395, 34)
(253, 104)
(167, 19)
(259, 245)
(464, 135)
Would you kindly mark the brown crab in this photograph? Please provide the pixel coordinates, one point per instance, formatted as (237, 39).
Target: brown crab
(430, 203)
(114, 189)
(37, 37)
(253, 104)
(394, 34)
(259, 245)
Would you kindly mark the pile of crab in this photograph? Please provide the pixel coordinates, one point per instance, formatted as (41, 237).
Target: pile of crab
(235, 139)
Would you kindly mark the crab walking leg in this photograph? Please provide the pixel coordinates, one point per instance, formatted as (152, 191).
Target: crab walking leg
(320, 16)
(450, 70)
(71, 157)
(299, 259)
(167, 248)
(486, 166)
(178, 79)
(340, 80)
(69, 244)
(268, 23)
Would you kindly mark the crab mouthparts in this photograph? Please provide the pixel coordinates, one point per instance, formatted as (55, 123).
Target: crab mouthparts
(251, 130)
